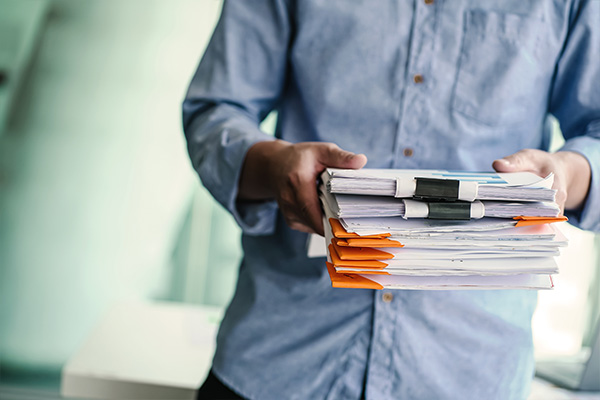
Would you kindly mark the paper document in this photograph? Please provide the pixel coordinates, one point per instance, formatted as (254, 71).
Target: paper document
(357, 206)
(468, 186)
(358, 281)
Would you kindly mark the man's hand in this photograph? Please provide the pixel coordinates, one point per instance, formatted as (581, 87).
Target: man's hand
(572, 173)
(288, 173)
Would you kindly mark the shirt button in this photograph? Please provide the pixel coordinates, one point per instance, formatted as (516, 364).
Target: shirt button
(387, 297)
(418, 78)
(408, 152)
(428, 2)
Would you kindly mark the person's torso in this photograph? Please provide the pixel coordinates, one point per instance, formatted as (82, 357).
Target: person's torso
(453, 85)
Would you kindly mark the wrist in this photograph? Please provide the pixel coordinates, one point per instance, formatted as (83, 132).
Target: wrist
(255, 183)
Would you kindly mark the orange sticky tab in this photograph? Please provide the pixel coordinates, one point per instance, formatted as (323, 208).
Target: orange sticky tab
(526, 221)
(339, 231)
(352, 281)
(383, 242)
(361, 253)
(353, 263)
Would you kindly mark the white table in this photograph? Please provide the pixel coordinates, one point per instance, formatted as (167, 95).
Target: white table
(145, 350)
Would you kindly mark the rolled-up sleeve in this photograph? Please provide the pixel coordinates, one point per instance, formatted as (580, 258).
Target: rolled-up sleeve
(238, 82)
(575, 101)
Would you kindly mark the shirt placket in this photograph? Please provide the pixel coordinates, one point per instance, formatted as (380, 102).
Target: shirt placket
(381, 371)
(418, 82)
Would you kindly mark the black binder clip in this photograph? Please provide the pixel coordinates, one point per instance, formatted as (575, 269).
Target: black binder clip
(455, 210)
(437, 189)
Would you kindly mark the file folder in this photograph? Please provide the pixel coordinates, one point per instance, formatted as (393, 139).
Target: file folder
(440, 184)
(359, 206)
(439, 253)
(397, 226)
(477, 266)
(381, 281)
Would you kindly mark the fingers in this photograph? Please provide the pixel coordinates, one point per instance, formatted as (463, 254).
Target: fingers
(503, 165)
(306, 218)
(310, 208)
(524, 160)
(298, 170)
(299, 202)
(289, 210)
(331, 155)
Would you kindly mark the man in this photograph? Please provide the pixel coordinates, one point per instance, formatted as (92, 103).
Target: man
(419, 84)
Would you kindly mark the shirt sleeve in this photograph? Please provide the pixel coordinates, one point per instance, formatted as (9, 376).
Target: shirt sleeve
(575, 101)
(236, 85)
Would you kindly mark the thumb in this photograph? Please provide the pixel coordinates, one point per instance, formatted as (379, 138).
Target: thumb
(523, 160)
(333, 156)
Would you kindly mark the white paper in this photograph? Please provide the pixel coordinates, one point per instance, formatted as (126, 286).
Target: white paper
(518, 186)
(521, 281)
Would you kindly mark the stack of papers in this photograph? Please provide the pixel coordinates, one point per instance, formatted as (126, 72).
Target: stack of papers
(375, 241)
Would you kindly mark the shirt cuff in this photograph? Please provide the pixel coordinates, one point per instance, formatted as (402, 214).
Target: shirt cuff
(588, 217)
(220, 173)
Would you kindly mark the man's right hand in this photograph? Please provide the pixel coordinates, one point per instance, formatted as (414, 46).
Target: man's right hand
(288, 173)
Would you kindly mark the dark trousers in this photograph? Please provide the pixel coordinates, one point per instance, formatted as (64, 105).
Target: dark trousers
(214, 389)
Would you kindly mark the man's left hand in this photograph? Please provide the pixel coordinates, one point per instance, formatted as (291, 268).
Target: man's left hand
(572, 173)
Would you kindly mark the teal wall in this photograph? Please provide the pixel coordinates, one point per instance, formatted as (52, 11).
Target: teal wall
(96, 190)
(98, 202)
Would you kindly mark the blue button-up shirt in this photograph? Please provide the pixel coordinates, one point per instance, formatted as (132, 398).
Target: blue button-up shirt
(411, 84)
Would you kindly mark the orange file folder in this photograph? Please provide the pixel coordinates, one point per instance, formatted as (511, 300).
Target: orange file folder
(382, 242)
(348, 239)
(361, 253)
(353, 281)
(384, 281)
(353, 263)
(339, 232)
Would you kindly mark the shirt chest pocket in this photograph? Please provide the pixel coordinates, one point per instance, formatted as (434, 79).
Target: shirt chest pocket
(504, 68)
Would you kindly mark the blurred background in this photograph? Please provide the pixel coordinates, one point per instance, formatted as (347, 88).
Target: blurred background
(98, 200)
